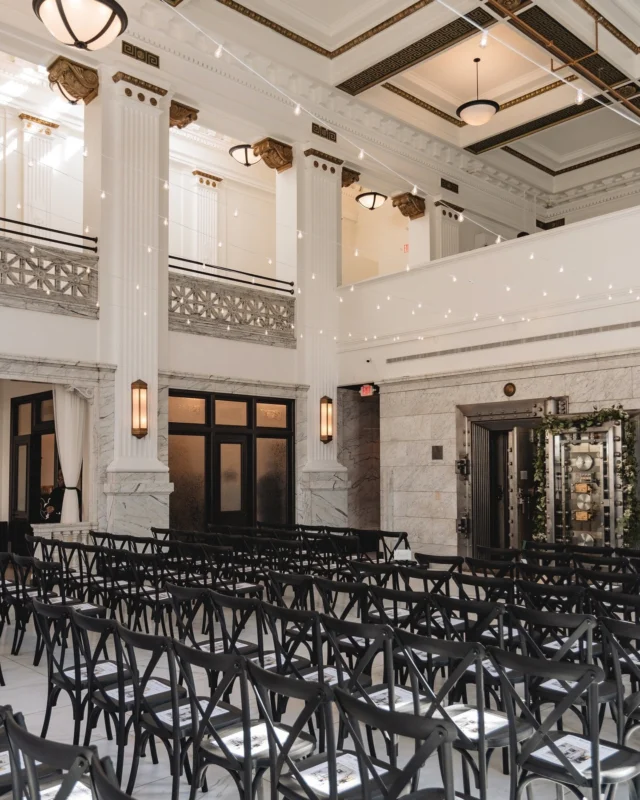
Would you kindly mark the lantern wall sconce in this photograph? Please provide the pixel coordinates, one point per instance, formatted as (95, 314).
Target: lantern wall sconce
(326, 419)
(139, 409)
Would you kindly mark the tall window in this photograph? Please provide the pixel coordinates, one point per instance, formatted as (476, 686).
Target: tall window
(231, 460)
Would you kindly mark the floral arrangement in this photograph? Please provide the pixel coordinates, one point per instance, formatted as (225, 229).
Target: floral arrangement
(626, 469)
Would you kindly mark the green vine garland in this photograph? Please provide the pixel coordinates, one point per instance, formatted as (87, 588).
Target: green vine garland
(627, 469)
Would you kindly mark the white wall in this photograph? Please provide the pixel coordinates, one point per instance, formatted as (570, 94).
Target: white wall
(420, 301)
(205, 355)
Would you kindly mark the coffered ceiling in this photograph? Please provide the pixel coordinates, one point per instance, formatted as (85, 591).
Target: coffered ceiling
(414, 61)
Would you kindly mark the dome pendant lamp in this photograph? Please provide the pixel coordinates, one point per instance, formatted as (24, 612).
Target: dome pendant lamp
(85, 24)
(477, 112)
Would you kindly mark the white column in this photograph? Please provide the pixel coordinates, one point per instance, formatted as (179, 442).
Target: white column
(37, 141)
(445, 231)
(309, 200)
(133, 125)
(419, 241)
(207, 220)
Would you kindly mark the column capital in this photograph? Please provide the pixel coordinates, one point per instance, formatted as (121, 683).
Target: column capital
(206, 179)
(276, 155)
(325, 156)
(410, 205)
(349, 177)
(74, 81)
(181, 115)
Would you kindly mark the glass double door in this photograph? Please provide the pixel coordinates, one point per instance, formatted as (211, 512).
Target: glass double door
(230, 460)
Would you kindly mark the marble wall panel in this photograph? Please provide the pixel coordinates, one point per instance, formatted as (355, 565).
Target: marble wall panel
(359, 452)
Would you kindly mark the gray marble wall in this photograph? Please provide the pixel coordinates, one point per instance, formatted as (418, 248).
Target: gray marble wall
(359, 451)
(423, 495)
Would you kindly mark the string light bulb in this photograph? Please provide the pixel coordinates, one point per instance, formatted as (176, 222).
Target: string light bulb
(297, 110)
(166, 185)
(484, 39)
(299, 234)
(218, 53)
(414, 191)
(580, 97)
(361, 155)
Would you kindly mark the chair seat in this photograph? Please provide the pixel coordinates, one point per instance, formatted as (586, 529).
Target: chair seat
(79, 792)
(233, 739)
(496, 726)
(621, 764)
(553, 691)
(269, 661)
(105, 673)
(157, 692)
(403, 699)
(315, 770)
(241, 647)
(222, 715)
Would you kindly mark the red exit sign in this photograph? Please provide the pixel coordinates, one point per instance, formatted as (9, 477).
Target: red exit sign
(367, 390)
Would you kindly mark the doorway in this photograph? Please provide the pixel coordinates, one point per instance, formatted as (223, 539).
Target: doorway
(502, 482)
(231, 460)
(33, 465)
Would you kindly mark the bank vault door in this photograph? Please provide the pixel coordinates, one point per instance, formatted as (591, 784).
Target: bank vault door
(520, 468)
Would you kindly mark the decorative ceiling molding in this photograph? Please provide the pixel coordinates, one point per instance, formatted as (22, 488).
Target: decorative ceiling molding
(206, 178)
(319, 154)
(73, 79)
(349, 177)
(423, 104)
(536, 125)
(458, 122)
(323, 51)
(589, 195)
(608, 26)
(562, 44)
(410, 205)
(276, 155)
(150, 87)
(180, 115)
(30, 120)
(555, 172)
(453, 32)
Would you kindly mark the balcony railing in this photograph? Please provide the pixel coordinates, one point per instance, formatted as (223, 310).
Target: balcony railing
(212, 307)
(44, 278)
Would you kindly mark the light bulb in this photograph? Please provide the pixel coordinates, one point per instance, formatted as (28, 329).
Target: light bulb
(361, 155)
(18, 205)
(453, 278)
(269, 261)
(414, 191)
(86, 230)
(484, 39)
(32, 249)
(461, 218)
(508, 288)
(544, 294)
(580, 97)
(610, 286)
(85, 152)
(297, 110)
(166, 184)
(299, 234)
(589, 278)
(313, 276)
(498, 239)
(148, 249)
(531, 257)
(218, 53)
(561, 269)
(341, 300)
(235, 213)
(577, 297)
(219, 244)
(356, 252)
(378, 307)
(103, 194)
(30, 163)
(166, 222)
(352, 287)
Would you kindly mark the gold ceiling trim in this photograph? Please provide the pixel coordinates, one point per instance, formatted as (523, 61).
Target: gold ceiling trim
(349, 177)
(608, 26)
(555, 172)
(319, 154)
(323, 51)
(423, 104)
(458, 122)
(199, 174)
(38, 121)
(122, 76)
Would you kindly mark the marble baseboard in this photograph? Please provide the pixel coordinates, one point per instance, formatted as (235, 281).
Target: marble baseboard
(136, 502)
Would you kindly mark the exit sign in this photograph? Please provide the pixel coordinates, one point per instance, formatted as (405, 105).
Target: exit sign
(367, 390)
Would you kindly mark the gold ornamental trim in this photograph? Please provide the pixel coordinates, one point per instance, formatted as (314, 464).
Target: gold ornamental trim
(38, 121)
(323, 51)
(325, 156)
(349, 177)
(181, 115)
(74, 80)
(410, 205)
(608, 26)
(555, 172)
(276, 155)
(206, 178)
(122, 76)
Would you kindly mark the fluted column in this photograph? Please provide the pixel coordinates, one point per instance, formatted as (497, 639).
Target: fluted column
(37, 143)
(133, 126)
(309, 234)
(445, 230)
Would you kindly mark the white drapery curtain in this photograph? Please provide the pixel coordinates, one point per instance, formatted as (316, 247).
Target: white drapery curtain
(70, 412)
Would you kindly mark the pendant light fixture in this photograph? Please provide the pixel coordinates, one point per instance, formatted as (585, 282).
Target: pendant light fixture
(85, 24)
(243, 154)
(371, 200)
(477, 112)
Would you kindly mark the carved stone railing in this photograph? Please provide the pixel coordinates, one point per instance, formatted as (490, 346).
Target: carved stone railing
(53, 279)
(213, 308)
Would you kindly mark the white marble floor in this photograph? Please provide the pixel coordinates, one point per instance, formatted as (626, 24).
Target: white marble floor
(26, 691)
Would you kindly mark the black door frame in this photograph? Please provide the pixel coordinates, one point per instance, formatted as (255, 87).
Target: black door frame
(216, 433)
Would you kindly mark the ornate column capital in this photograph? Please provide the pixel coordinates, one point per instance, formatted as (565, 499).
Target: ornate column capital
(206, 179)
(349, 177)
(85, 392)
(410, 205)
(276, 155)
(180, 115)
(74, 81)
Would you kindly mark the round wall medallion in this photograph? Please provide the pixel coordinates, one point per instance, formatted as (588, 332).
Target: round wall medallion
(509, 389)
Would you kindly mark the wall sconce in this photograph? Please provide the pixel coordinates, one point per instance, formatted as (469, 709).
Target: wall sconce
(139, 409)
(326, 419)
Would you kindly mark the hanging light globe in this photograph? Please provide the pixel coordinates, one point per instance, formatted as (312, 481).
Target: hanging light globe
(243, 154)
(371, 200)
(85, 24)
(479, 111)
